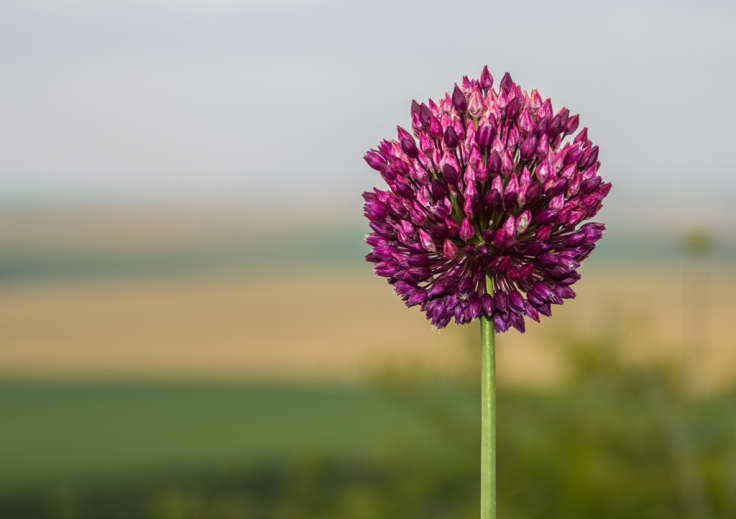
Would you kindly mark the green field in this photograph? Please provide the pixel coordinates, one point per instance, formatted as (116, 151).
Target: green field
(57, 434)
(612, 442)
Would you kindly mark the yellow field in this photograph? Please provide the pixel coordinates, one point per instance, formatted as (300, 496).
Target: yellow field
(339, 323)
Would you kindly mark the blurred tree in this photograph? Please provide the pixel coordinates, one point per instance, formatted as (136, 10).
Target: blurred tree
(698, 242)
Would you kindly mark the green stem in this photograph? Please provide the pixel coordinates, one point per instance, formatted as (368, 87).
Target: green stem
(488, 419)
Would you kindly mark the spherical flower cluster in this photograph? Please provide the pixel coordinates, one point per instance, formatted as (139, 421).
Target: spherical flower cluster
(484, 204)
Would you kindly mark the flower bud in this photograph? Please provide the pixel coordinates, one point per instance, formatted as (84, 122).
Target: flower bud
(438, 288)
(535, 100)
(513, 137)
(415, 107)
(450, 173)
(425, 116)
(375, 210)
(528, 147)
(426, 241)
(573, 155)
(459, 101)
(389, 175)
(545, 216)
(509, 227)
(486, 80)
(475, 157)
(575, 239)
(449, 249)
(545, 309)
(500, 301)
(582, 137)
(564, 114)
(558, 186)
(435, 128)
(451, 140)
(526, 123)
(511, 193)
(402, 133)
(512, 110)
(506, 83)
(542, 291)
(543, 172)
(545, 111)
(375, 160)
(589, 185)
(376, 242)
(517, 321)
(471, 199)
(516, 302)
(419, 296)
(426, 144)
(557, 202)
(419, 175)
(565, 292)
(500, 323)
(424, 197)
(401, 167)
(525, 178)
(499, 238)
(383, 229)
(437, 189)
(487, 304)
(465, 286)
(409, 147)
(532, 192)
(402, 188)
(459, 127)
(417, 214)
(507, 163)
(494, 163)
(574, 186)
(475, 105)
(474, 308)
(493, 197)
(523, 220)
(531, 311)
(555, 125)
(589, 157)
(543, 146)
(484, 135)
(452, 226)
(466, 230)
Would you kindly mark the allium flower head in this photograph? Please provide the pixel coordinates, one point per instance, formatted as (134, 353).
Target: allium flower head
(489, 183)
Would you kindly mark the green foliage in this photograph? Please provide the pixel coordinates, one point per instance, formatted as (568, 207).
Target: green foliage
(698, 241)
(615, 441)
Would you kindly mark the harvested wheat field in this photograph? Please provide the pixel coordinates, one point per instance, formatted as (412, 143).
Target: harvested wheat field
(344, 323)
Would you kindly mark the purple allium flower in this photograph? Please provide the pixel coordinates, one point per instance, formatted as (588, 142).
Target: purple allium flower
(491, 183)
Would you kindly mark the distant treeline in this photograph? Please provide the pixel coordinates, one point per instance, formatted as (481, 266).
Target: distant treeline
(314, 248)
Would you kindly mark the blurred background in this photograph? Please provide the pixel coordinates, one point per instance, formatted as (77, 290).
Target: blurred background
(188, 328)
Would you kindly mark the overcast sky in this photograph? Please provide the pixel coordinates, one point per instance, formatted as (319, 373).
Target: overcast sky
(278, 99)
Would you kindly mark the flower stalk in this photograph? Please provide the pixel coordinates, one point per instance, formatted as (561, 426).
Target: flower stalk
(488, 418)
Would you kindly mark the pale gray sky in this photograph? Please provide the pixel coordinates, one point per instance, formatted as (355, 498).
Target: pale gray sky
(279, 99)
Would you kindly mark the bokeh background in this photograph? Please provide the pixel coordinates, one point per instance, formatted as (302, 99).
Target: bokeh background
(187, 325)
